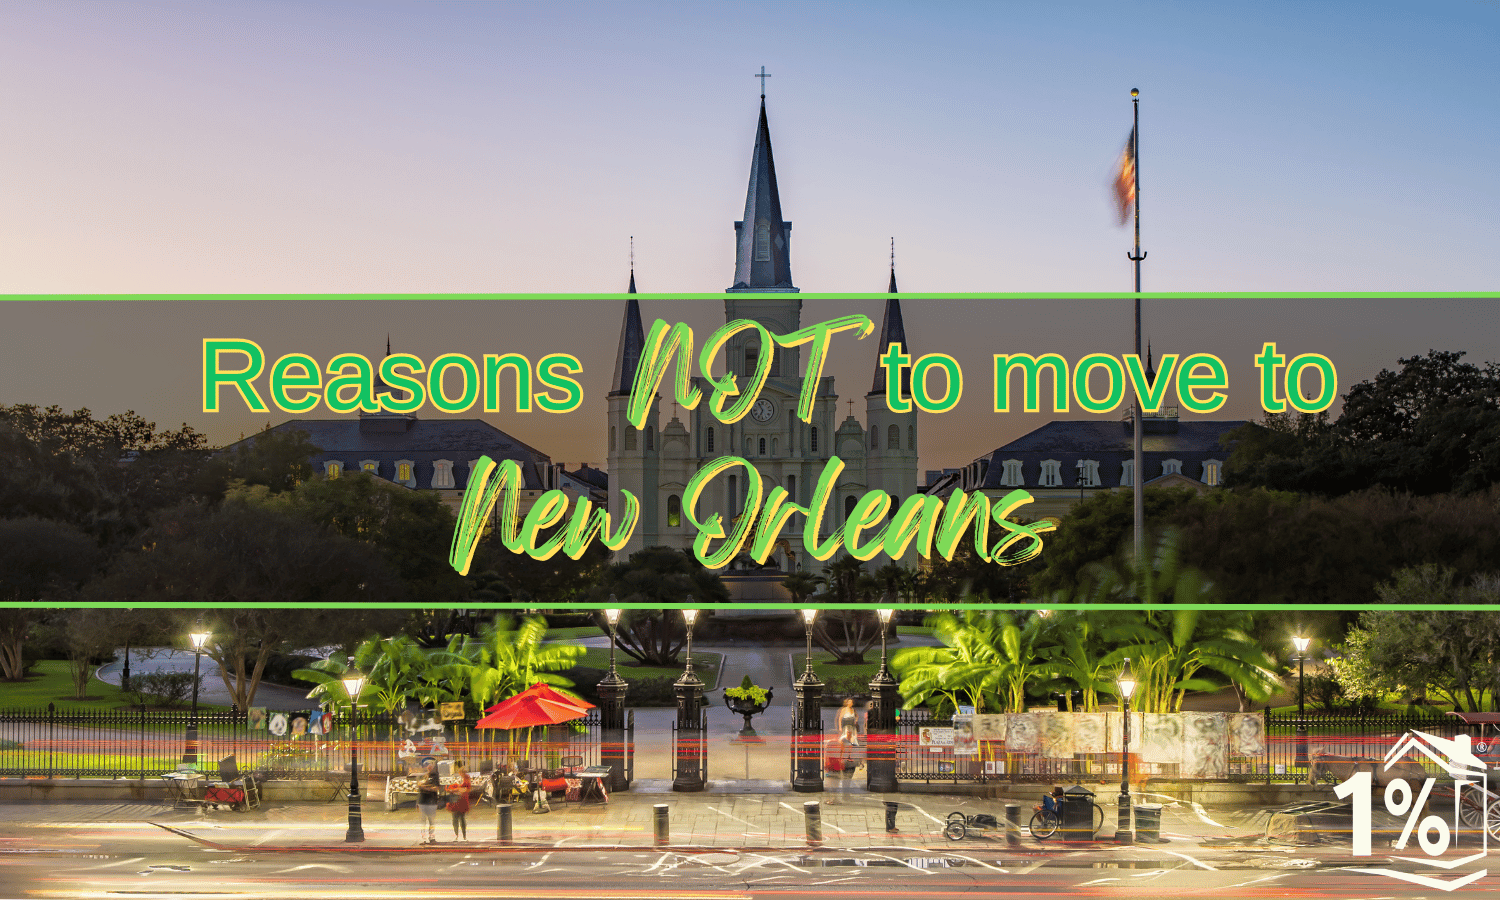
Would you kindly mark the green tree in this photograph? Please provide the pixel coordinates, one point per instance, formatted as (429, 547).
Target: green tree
(40, 560)
(508, 657)
(1450, 653)
(986, 661)
(207, 559)
(657, 577)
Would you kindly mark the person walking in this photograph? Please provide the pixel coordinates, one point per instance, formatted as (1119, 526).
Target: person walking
(429, 791)
(848, 723)
(458, 805)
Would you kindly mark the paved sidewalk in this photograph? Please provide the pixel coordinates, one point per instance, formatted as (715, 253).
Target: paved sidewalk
(720, 820)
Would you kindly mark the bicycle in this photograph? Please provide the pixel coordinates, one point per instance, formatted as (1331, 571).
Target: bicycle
(1045, 823)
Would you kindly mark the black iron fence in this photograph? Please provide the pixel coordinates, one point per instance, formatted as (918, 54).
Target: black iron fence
(50, 743)
(1322, 746)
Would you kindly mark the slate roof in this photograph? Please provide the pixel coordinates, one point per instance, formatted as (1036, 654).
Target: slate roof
(892, 331)
(632, 343)
(385, 440)
(763, 207)
(1109, 443)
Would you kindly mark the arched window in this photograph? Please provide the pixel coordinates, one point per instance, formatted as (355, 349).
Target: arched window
(708, 441)
(611, 439)
(674, 511)
(762, 242)
(893, 438)
(650, 437)
(791, 487)
(849, 507)
(775, 442)
(762, 446)
(752, 359)
(403, 471)
(333, 469)
(814, 439)
(371, 468)
(734, 493)
(874, 439)
(630, 439)
(911, 437)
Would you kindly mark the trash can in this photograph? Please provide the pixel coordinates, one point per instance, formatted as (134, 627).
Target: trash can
(1148, 823)
(1077, 814)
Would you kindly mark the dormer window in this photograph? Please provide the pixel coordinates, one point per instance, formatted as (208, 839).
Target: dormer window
(333, 469)
(1127, 473)
(1171, 467)
(403, 472)
(1011, 477)
(442, 473)
(370, 467)
(762, 243)
(1088, 472)
(1213, 472)
(1051, 473)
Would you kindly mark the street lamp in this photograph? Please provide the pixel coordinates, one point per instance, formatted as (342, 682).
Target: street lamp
(807, 734)
(1301, 643)
(1124, 830)
(880, 773)
(689, 691)
(1082, 470)
(613, 617)
(190, 754)
(353, 683)
(690, 616)
(808, 615)
(612, 690)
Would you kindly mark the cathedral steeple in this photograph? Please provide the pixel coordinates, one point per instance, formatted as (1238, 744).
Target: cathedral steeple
(892, 331)
(632, 341)
(763, 249)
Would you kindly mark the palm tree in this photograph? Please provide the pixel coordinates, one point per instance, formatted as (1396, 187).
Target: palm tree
(802, 584)
(1168, 648)
(1072, 653)
(503, 660)
(986, 659)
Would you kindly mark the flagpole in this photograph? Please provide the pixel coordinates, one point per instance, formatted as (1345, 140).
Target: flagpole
(1137, 470)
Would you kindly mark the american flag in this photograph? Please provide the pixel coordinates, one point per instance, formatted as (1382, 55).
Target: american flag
(1125, 179)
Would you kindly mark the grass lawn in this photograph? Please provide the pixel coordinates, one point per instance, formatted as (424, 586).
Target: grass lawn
(834, 676)
(557, 635)
(920, 630)
(705, 665)
(50, 682)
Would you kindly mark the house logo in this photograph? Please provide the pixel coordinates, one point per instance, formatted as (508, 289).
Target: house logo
(1453, 838)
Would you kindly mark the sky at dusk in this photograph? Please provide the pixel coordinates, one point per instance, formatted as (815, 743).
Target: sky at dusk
(390, 149)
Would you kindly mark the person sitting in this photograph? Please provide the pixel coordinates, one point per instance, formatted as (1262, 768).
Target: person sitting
(1052, 802)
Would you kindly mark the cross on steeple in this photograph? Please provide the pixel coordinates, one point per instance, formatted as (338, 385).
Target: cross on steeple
(851, 406)
(762, 76)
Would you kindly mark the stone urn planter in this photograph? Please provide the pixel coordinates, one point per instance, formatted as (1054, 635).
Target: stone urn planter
(747, 700)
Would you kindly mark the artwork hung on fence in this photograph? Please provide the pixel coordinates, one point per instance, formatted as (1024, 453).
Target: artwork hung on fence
(1205, 745)
(278, 724)
(938, 739)
(1160, 737)
(990, 726)
(1057, 735)
(1024, 732)
(1247, 734)
(1089, 733)
(451, 712)
(964, 743)
(255, 718)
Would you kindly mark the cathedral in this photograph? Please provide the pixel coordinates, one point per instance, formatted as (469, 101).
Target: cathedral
(656, 461)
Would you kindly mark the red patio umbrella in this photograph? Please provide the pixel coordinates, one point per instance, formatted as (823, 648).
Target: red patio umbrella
(547, 692)
(537, 705)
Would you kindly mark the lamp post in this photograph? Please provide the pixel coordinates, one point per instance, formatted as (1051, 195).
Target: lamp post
(689, 690)
(880, 726)
(1124, 826)
(1301, 643)
(1082, 470)
(807, 725)
(612, 690)
(353, 683)
(190, 753)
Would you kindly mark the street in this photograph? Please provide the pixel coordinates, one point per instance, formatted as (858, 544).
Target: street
(115, 850)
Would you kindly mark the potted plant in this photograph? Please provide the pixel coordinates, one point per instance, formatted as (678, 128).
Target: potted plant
(747, 700)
